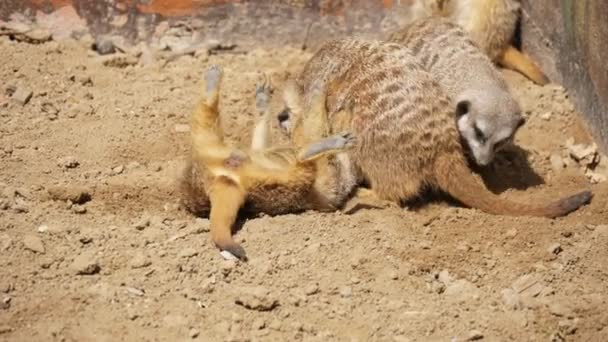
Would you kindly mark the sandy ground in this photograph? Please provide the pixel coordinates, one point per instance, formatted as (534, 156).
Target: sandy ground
(130, 264)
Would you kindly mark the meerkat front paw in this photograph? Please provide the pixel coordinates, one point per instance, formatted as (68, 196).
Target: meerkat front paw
(263, 90)
(212, 78)
(345, 140)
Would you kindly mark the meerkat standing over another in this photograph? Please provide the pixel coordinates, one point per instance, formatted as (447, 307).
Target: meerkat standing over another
(219, 180)
(487, 114)
(491, 24)
(407, 139)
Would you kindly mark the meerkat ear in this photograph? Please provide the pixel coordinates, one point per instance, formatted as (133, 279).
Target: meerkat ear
(462, 108)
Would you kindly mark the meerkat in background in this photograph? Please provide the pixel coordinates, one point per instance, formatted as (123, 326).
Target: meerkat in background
(407, 138)
(487, 114)
(491, 24)
(219, 180)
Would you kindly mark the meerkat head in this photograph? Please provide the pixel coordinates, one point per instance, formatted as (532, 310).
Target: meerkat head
(487, 123)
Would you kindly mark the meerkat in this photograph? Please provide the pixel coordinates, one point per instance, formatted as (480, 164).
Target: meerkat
(491, 24)
(488, 115)
(407, 139)
(220, 180)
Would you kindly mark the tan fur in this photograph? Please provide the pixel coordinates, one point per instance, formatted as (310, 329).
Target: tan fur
(406, 136)
(221, 179)
(491, 24)
(488, 115)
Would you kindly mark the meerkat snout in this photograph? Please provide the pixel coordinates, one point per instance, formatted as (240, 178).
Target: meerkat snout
(484, 133)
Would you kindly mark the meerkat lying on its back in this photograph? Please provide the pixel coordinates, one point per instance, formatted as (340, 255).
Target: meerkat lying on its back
(487, 114)
(407, 138)
(220, 179)
(491, 24)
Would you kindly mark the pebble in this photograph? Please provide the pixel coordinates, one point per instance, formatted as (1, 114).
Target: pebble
(80, 109)
(143, 223)
(135, 291)
(182, 128)
(559, 309)
(140, 260)
(345, 291)
(474, 335)
(188, 252)
(68, 162)
(511, 299)
(461, 291)
(511, 233)
(554, 248)
(34, 244)
(85, 264)
(118, 170)
(258, 324)
(104, 45)
(73, 193)
(22, 95)
(43, 228)
(311, 289)
(228, 256)
(557, 162)
(193, 333)
(79, 209)
(256, 298)
(6, 303)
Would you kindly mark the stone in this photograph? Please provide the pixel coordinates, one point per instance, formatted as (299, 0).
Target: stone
(72, 193)
(256, 298)
(140, 260)
(188, 252)
(311, 289)
(474, 335)
(346, 292)
(104, 45)
(22, 95)
(193, 333)
(554, 248)
(511, 299)
(85, 264)
(68, 162)
(34, 244)
(557, 162)
(182, 128)
(461, 291)
(143, 223)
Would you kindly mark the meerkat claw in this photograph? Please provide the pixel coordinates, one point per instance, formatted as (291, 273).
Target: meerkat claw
(262, 94)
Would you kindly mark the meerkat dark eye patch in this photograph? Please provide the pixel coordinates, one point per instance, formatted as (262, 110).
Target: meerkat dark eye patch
(462, 108)
(479, 134)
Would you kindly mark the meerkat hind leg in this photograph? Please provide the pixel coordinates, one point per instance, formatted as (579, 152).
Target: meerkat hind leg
(226, 201)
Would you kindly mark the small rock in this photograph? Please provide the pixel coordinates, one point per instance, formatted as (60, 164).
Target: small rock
(74, 194)
(6, 287)
(345, 291)
(511, 233)
(79, 209)
(104, 45)
(193, 333)
(559, 309)
(554, 248)
(188, 252)
(461, 291)
(228, 256)
(34, 244)
(22, 95)
(474, 335)
(5, 242)
(311, 289)
(118, 170)
(5, 304)
(50, 110)
(143, 223)
(256, 298)
(135, 292)
(80, 109)
(568, 327)
(511, 299)
(85, 264)
(140, 260)
(557, 162)
(68, 162)
(43, 228)
(546, 116)
(182, 128)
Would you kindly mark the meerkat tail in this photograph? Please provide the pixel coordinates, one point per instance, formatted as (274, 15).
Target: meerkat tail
(456, 179)
(516, 60)
(227, 197)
